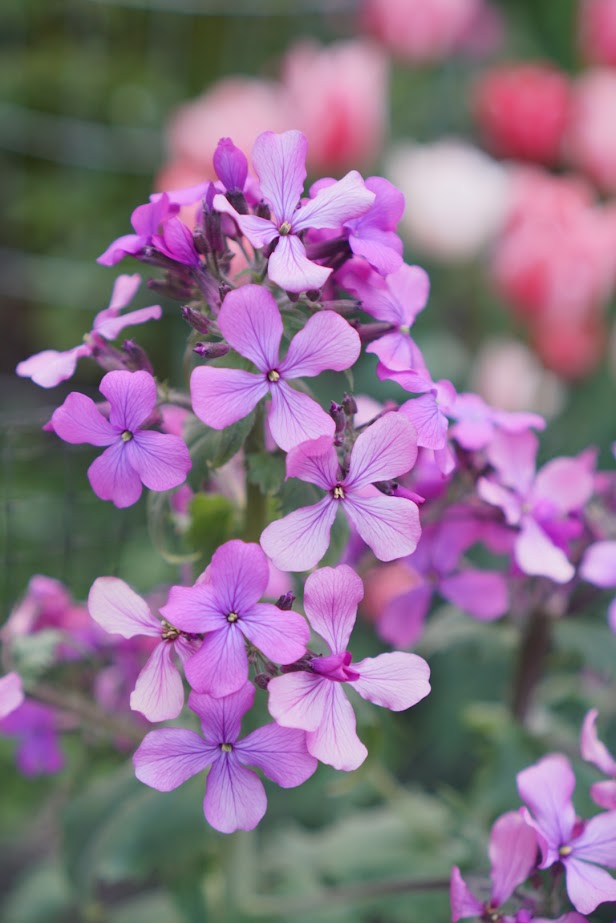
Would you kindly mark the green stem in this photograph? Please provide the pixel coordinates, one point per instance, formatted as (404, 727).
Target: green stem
(533, 652)
(255, 514)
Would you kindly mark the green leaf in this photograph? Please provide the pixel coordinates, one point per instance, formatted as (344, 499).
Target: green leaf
(211, 448)
(165, 533)
(40, 896)
(212, 520)
(266, 470)
(590, 642)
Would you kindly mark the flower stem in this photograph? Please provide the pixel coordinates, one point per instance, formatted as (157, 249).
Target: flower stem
(532, 656)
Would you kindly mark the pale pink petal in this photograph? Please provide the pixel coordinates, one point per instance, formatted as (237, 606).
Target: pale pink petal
(410, 287)
(195, 609)
(389, 525)
(592, 749)
(295, 417)
(220, 666)
(335, 740)
(239, 573)
(513, 853)
(604, 794)
(482, 593)
(259, 231)
(278, 752)
(221, 397)
(280, 163)
(298, 700)
(333, 205)
(124, 290)
(463, 902)
(169, 756)
(281, 636)
(384, 450)
(300, 540)
(162, 461)
(597, 841)
(314, 461)
(289, 267)
(326, 342)
(395, 681)
(250, 322)
(547, 787)
(11, 693)
(132, 396)
(429, 420)
(382, 249)
(599, 564)
(49, 368)
(221, 718)
(110, 326)
(113, 478)
(536, 554)
(565, 482)
(79, 420)
(159, 691)
(121, 611)
(398, 351)
(588, 885)
(234, 797)
(331, 598)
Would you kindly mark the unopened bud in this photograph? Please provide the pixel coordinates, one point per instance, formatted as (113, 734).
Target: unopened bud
(137, 356)
(211, 350)
(285, 602)
(212, 227)
(238, 200)
(202, 245)
(262, 210)
(196, 319)
(349, 405)
(262, 680)
(389, 488)
(313, 295)
(336, 412)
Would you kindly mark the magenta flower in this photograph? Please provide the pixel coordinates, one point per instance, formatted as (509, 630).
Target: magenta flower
(599, 568)
(594, 751)
(159, 691)
(280, 163)
(581, 846)
(50, 367)
(36, 728)
(373, 235)
(135, 456)
(234, 798)
(225, 606)
(389, 525)
(476, 422)
(11, 693)
(315, 701)
(513, 850)
(250, 321)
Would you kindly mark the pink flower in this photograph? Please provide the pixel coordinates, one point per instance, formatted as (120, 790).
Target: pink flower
(597, 31)
(591, 131)
(11, 693)
(315, 701)
(250, 321)
(225, 607)
(581, 846)
(599, 567)
(159, 692)
(234, 798)
(595, 752)
(279, 161)
(135, 456)
(388, 524)
(50, 367)
(420, 30)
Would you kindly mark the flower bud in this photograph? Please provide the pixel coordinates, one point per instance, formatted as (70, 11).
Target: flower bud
(196, 319)
(211, 350)
(285, 602)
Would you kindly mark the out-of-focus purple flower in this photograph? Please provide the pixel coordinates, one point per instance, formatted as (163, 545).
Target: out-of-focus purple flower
(314, 700)
(135, 456)
(36, 728)
(476, 422)
(226, 607)
(280, 163)
(513, 850)
(388, 524)
(581, 846)
(594, 751)
(250, 321)
(234, 798)
(50, 367)
(11, 693)
(599, 567)
(159, 692)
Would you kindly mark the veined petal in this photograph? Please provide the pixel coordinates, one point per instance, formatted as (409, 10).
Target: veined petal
(398, 351)
(234, 797)
(382, 249)
(429, 420)
(588, 885)
(124, 290)
(547, 787)
(159, 691)
(295, 417)
(112, 477)
(259, 231)
(335, 740)
(109, 325)
(221, 718)
(280, 163)
(333, 205)
(513, 852)
(535, 553)
(314, 461)
(48, 368)
(395, 680)
(239, 573)
(389, 525)
(281, 636)
(160, 459)
(326, 342)
(300, 540)
(385, 450)
(195, 609)
(250, 322)
(463, 902)
(298, 700)
(119, 610)
(132, 396)
(221, 397)
(278, 752)
(331, 598)
(169, 756)
(220, 666)
(79, 420)
(410, 287)
(290, 268)
(597, 841)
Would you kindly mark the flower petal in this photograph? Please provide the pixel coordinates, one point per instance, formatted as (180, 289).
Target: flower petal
(295, 417)
(463, 902)
(398, 351)
(48, 368)
(124, 290)
(239, 572)
(128, 244)
(395, 681)
(547, 787)
(429, 420)
(513, 853)
(588, 886)
(169, 756)
(300, 540)
(79, 420)
(281, 636)
(250, 322)
(314, 461)
(221, 397)
(326, 342)
(221, 718)
(592, 749)
(195, 609)
(161, 460)
(536, 554)
(331, 598)
(298, 700)
(389, 525)
(234, 797)
(220, 666)
(333, 205)
(280, 163)
(481, 593)
(278, 752)
(132, 396)
(599, 564)
(11, 693)
(597, 841)
(289, 267)
(113, 478)
(335, 741)
(259, 231)
(119, 610)
(110, 326)
(384, 450)
(159, 691)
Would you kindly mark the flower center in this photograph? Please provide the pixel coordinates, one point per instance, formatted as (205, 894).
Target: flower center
(284, 229)
(565, 851)
(338, 492)
(232, 617)
(273, 375)
(226, 748)
(126, 436)
(169, 633)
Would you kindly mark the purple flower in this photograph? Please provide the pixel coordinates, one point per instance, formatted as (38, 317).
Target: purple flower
(280, 163)
(513, 850)
(581, 846)
(135, 456)
(595, 752)
(372, 235)
(230, 165)
(599, 567)
(225, 606)
(159, 691)
(50, 367)
(234, 798)
(389, 525)
(477, 422)
(36, 728)
(11, 693)
(315, 700)
(250, 321)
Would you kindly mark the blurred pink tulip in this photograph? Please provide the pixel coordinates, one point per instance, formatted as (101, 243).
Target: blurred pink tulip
(597, 31)
(590, 141)
(420, 30)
